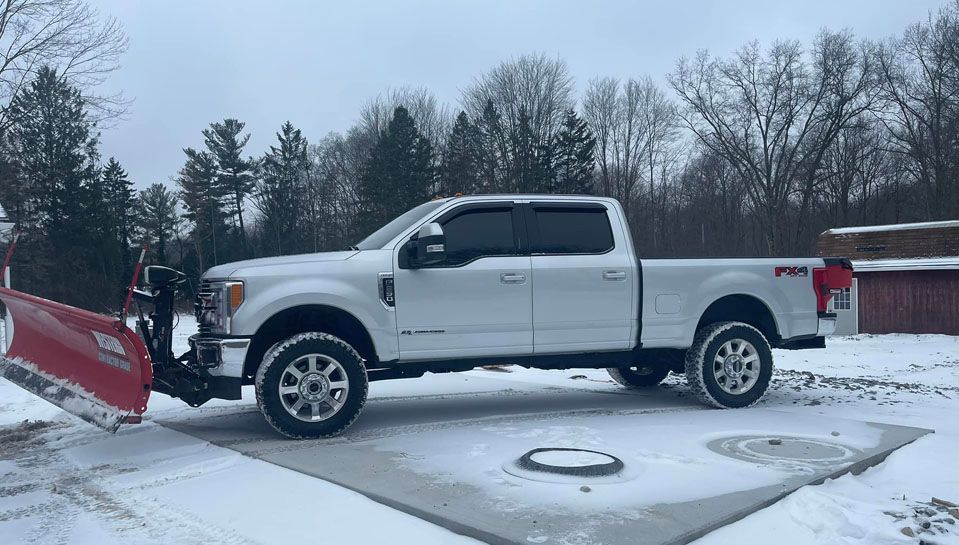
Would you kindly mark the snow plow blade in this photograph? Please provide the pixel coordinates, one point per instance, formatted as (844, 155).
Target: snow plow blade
(87, 364)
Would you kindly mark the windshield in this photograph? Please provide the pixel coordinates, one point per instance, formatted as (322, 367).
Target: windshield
(389, 231)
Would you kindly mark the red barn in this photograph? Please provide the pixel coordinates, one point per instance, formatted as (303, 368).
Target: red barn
(905, 280)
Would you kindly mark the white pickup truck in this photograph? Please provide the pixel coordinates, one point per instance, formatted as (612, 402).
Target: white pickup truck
(550, 282)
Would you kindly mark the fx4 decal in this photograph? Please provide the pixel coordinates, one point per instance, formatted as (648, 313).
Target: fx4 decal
(792, 271)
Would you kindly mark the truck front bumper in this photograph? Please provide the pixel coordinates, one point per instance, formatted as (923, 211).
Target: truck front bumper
(221, 357)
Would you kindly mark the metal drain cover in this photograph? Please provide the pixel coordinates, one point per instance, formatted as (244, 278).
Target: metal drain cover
(768, 449)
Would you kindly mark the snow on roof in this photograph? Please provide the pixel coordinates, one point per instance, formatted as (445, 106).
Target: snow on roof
(916, 264)
(892, 227)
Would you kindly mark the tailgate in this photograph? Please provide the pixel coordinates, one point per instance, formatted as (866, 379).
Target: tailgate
(88, 364)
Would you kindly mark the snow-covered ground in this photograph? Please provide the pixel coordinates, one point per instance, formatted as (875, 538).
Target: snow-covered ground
(64, 481)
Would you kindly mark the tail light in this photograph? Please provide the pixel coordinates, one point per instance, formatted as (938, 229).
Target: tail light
(830, 280)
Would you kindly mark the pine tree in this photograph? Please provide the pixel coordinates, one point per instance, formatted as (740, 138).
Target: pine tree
(281, 189)
(572, 157)
(490, 151)
(158, 217)
(203, 202)
(120, 201)
(526, 172)
(399, 175)
(461, 173)
(234, 173)
(52, 144)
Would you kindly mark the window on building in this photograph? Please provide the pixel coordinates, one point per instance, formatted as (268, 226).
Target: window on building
(843, 300)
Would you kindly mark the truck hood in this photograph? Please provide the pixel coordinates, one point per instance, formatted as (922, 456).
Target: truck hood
(228, 269)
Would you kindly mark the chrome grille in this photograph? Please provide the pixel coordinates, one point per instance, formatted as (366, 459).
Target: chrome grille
(205, 303)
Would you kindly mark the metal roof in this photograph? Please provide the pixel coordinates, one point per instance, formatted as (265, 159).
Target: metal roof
(892, 227)
(916, 264)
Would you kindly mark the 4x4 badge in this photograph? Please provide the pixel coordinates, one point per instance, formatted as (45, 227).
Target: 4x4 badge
(792, 271)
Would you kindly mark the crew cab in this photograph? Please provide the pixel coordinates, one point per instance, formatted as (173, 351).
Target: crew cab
(549, 282)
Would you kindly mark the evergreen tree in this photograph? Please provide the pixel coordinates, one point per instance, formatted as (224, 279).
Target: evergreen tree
(234, 173)
(120, 203)
(490, 150)
(527, 174)
(203, 202)
(572, 157)
(158, 217)
(52, 143)
(399, 174)
(282, 188)
(461, 172)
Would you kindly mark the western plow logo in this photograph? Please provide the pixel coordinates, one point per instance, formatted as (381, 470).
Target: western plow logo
(792, 271)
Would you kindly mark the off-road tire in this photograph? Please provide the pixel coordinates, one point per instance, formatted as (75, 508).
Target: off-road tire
(633, 377)
(700, 357)
(276, 360)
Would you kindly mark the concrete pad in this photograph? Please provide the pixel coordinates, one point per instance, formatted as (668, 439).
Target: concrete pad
(450, 459)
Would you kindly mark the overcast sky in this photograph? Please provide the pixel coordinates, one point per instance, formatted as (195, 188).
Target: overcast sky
(315, 63)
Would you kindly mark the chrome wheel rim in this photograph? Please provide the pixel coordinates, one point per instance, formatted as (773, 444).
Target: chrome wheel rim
(313, 387)
(736, 366)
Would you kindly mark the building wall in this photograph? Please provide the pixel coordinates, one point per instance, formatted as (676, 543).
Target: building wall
(909, 302)
(894, 244)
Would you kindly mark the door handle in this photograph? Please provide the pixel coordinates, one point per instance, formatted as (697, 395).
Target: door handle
(512, 278)
(614, 276)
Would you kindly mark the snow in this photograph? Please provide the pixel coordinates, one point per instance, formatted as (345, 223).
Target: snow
(922, 264)
(73, 397)
(892, 227)
(674, 466)
(149, 484)
(63, 480)
(570, 458)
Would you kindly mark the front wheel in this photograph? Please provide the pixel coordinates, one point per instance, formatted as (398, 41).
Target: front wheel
(729, 365)
(311, 385)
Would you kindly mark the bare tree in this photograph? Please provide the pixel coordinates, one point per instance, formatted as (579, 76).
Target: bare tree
(336, 166)
(534, 85)
(432, 118)
(67, 35)
(529, 97)
(919, 75)
(773, 114)
(636, 128)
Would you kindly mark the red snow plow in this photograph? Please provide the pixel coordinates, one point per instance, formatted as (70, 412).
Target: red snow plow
(92, 365)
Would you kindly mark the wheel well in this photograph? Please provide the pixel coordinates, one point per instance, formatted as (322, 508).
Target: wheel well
(302, 319)
(742, 308)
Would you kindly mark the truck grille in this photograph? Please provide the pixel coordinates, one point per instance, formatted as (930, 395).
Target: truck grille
(205, 303)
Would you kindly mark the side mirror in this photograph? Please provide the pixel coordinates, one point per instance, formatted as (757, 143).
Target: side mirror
(429, 246)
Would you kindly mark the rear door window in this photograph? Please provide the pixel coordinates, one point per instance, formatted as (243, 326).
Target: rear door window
(572, 230)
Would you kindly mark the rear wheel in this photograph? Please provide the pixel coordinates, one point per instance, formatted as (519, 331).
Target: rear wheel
(639, 376)
(729, 365)
(311, 385)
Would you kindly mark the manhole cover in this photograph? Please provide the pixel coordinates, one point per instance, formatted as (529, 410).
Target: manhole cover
(571, 461)
(778, 449)
(568, 465)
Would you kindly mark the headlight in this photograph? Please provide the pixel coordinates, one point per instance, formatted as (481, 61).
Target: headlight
(216, 304)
